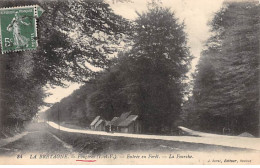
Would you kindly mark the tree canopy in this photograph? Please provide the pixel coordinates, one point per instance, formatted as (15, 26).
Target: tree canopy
(146, 79)
(74, 37)
(226, 85)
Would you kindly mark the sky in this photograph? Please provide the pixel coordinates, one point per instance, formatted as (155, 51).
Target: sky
(195, 13)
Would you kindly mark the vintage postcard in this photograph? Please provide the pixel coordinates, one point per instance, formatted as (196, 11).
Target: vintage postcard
(129, 82)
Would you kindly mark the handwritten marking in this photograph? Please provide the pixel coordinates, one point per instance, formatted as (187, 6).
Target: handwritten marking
(86, 160)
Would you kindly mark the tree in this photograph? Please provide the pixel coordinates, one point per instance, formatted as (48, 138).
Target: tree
(73, 36)
(225, 87)
(161, 60)
(74, 109)
(110, 98)
(20, 96)
(147, 79)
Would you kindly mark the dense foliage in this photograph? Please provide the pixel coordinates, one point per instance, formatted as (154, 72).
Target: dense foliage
(74, 37)
(226, 86)
(74, 109)
(147, 79)
(160, 61)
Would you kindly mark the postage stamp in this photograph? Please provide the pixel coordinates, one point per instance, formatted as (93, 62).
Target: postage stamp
(19, 28)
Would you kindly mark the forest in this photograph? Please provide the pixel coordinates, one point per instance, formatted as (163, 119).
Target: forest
(226, 84)
(145, 79)
(144, 68)
(60, 57)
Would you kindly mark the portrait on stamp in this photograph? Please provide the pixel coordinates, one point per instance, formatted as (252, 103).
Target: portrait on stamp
(15, 28)
(18, 28)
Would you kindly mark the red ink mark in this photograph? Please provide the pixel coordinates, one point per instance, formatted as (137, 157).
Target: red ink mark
(85, 160)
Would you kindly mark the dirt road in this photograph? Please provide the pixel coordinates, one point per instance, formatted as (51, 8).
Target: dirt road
(47, 139)
(36, 140)
(226, 141)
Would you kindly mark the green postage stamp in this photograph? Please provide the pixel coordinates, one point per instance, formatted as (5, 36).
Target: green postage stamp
(19, 28)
